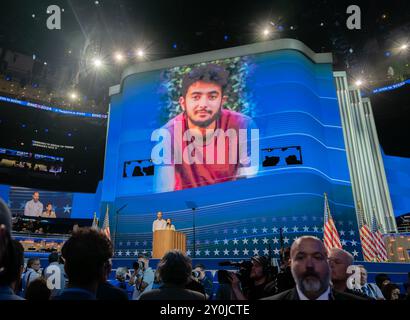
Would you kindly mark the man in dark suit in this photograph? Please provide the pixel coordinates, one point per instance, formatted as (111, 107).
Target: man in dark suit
(311, 272)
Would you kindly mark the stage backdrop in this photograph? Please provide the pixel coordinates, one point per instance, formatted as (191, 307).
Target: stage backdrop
(281, 88)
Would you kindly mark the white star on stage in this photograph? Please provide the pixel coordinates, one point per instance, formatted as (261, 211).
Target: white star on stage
(67, 209)
(225, 231)
(315, 229)
(198, 252)
(255, 241)
(343, 242)
(198, 242)
(304, 218)
(285, 229)
(188, 253)
(127, 253)
(340, 223)
(216, 252)
(226, 252)
(245, 252)
(264, 230)
(22, 205)
(136, 253)
(137, 243)
(128, 243)
(351, 232)
(254, 230)
(276, 251)
(226, 241)
(206, 241)
(245, 241)
(265, 240)
(314, 218)
(286, 240)
(295, 229)
(265, 251)
(119, 253)
(342, 232)
(294, 218)
(235, 241)
(235, 252)
(275, 240)
(255, 252)
(353, 243)
(305, 229)
(235, 230)
(144, 252)
(145, 243)
(355, 253)
(121, 243)
(275, 230)
(207, 252)
(244, 230)
(216, 241)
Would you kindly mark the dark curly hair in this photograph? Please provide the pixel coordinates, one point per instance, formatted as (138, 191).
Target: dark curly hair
(85, 255)
(175, 268)
(212, 73)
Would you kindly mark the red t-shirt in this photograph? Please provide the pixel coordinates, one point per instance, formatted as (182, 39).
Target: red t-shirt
(201, 174)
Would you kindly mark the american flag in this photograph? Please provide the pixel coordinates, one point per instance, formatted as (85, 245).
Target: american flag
(106, 225)
(366, 237)
(380, 247)
(330, 235)
(95, 222)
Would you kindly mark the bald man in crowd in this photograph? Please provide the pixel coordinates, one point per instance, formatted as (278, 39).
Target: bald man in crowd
(311, 272)
(339, 261)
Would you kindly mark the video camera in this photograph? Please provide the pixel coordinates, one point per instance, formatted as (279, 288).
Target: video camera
(243, 273)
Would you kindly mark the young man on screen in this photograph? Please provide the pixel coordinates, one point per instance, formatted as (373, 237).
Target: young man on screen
(208, 144)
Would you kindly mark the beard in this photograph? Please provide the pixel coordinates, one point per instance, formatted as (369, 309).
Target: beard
(205, 123)
(310, 283)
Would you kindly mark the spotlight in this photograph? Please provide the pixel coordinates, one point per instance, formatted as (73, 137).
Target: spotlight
(73, 96)
(266, 32)
(404, 46)
(358, 83)
(140, 53)
(119, 57)
(97, 62)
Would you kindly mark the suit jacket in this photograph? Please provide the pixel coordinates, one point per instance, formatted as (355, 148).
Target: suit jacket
(292, 294)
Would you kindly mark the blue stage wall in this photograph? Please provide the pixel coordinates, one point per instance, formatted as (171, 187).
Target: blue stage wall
(295, 104)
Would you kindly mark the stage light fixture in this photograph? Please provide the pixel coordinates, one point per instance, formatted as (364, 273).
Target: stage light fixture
(404, 46)
(73, 96)
(140, 53)
(358, 83)
(266, 32)
(119, 57)
(97, 62)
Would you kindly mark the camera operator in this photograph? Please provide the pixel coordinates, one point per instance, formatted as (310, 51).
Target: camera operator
(254, 288)
(142, 278)
(284, 279)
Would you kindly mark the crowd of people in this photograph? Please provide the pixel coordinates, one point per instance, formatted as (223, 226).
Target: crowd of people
(82, 272)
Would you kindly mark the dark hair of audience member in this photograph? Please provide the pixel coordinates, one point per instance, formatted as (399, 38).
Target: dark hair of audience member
(175, 268)
(388, 289)
(11, 259)
(38, 290)
(53, 257)
(85, 254)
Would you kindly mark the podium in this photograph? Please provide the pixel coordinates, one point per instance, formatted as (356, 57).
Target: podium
(165, 240)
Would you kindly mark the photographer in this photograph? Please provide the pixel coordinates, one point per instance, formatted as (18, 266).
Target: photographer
(254, 287)
(142, 278)
(207, 283)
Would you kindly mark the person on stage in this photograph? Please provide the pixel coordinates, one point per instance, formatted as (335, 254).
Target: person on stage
(49, 213)
(159, 223)
(34, 208)
(169, 225)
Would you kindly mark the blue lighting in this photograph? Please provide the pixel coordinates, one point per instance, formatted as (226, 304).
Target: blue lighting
(387, 53)
(174, 46)
(391, 87)
(226, 37)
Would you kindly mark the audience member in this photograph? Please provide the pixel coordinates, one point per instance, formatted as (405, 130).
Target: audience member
(369, 289)
(391, 291)
(107, 291)
(174, 271)
(37, 290)
(55, 270)
(86, 254)
(32, 272)
(381, 279)
(339, 261)
(311, 272)
(5, 216)
(11, 265)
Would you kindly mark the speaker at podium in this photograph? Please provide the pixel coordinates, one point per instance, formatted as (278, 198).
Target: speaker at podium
(165, 240)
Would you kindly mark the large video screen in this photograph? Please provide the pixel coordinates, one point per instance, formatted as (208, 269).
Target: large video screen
(49, 148)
